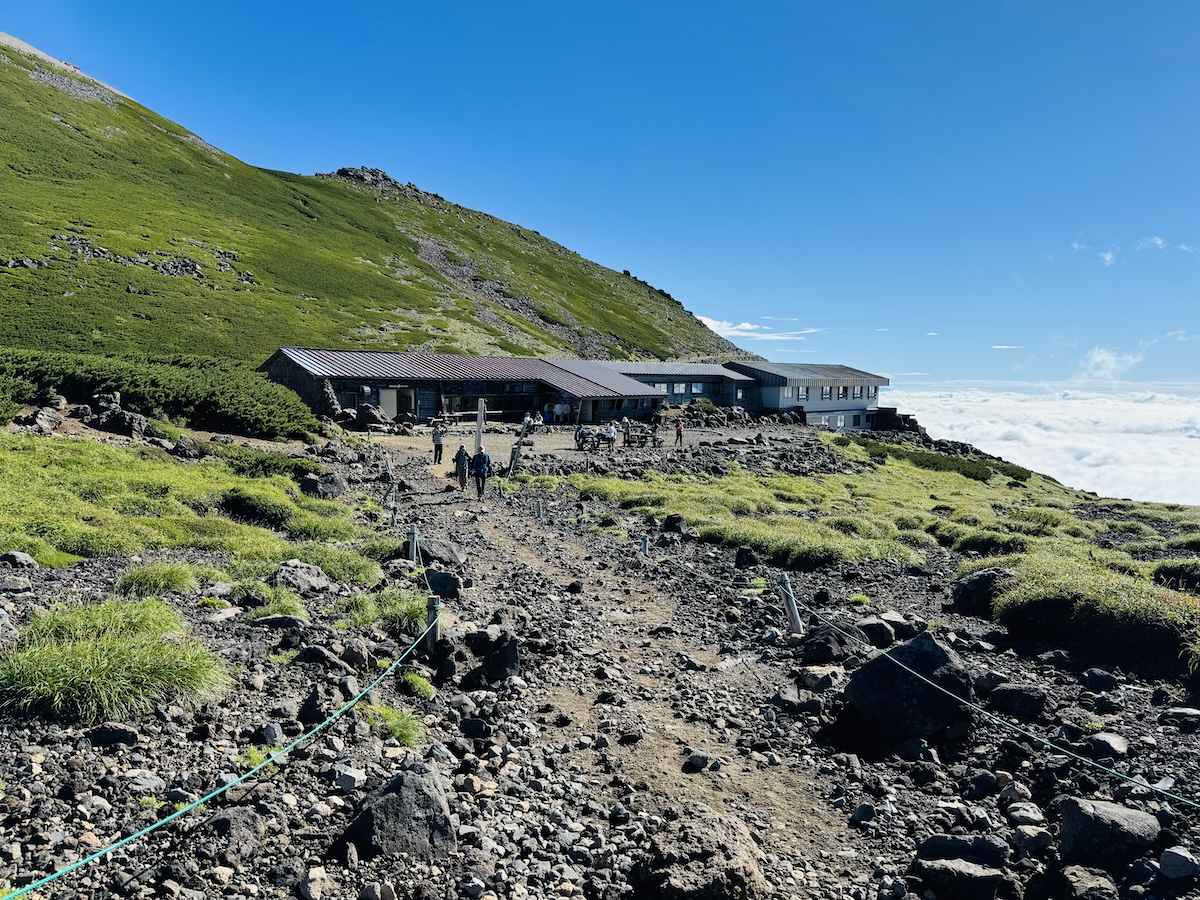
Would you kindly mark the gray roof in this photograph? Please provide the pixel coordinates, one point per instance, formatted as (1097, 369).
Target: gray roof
(382, 364)
(675, 370)
(807, 374)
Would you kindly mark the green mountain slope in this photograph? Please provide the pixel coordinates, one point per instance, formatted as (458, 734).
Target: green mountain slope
(122, 232)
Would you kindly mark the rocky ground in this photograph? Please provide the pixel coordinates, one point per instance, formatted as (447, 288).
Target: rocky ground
(612, 724)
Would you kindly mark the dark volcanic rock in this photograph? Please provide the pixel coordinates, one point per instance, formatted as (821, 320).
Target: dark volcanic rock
(1108, 835)
(902, 705)
(409, 815)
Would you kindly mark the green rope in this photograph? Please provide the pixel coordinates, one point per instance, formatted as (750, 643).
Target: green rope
(125, 841)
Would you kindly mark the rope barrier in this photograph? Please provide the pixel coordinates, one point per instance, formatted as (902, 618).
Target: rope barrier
(275, 757)
(987, 714)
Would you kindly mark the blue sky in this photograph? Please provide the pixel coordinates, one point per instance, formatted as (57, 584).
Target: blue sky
(994, 193)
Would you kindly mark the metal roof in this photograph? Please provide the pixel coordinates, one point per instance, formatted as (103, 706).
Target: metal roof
(675, 370)
(383, 364)
(808, 375)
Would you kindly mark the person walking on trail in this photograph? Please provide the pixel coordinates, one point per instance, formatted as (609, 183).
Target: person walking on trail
(679, 432)
(481, 468)
(610, 435)
(626, 431)
(439, 438)
(462, 462)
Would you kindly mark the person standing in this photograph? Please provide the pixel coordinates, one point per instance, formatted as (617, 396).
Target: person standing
(679, 432)
(462, 462)
(481, 468)
(439, 438)
(610, 435)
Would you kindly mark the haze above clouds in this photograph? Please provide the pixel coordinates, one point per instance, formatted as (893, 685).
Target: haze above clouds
(1143, 445)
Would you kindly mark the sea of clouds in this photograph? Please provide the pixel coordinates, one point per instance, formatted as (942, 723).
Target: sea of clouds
(1142, 445)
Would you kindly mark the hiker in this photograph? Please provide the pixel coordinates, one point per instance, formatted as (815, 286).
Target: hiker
(610, 435)
(439, 437)
(626, 430)
(526, 423)
(538, 423)
(481, 468)
(679, 432)
(578, 436)
(462, 462)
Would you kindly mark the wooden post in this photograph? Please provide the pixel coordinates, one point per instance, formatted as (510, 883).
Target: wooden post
(433, 616)
(412, 543)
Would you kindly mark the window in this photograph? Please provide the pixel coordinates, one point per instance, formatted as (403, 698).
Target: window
(824, 420)
(872, 392)
(826, 393)
(618, 404)
(679, 388)
(801, 393)
(858, 420)
(858, 392)
(741, 393)
(843, 392)
(789, 392)
(697, 388)
(661, 385)
(841, 421)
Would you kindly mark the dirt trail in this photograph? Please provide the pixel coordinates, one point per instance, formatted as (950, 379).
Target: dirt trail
(634, 668)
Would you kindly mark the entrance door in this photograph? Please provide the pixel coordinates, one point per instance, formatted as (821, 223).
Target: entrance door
(387, 402)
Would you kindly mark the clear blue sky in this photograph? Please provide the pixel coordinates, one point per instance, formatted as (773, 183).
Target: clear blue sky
(981, 190)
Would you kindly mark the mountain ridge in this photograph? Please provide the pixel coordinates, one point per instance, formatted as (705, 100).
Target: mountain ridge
(125, 232)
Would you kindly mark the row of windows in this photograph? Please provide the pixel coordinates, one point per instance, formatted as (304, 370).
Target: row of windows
(839, 421)
(679, 387)
(843, 392)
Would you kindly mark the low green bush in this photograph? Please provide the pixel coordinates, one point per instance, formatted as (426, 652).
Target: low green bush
(990, 543)
(106, 660)
(207, 392)
(250, 463)
(399, 724)
(1184, 542)
(417, 686)
(258, 507)
(270, 601)
(157, 578)
(15, 393)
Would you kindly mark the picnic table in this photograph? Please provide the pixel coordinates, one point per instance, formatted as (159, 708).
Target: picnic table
(645, 437)
(592, 440)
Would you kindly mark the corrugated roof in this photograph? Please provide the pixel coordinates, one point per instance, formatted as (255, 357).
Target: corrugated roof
(598, 372)
(384, 364)
(811, 373)
(675, 369)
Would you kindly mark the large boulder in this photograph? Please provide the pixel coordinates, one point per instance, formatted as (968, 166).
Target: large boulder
(303, 578)
(1108, 835)
(702, 855)
(919, 698)
(498, 655)
(327, 486)
(408, 816)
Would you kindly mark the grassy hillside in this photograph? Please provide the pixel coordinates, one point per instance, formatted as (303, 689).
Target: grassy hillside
(122, 232)
(1119, 577)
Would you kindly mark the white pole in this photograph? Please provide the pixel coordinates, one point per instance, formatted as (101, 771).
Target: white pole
(480, 421)
(789, 601)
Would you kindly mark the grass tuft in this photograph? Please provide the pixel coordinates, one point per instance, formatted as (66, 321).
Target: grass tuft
(107, 660)
(156, 579)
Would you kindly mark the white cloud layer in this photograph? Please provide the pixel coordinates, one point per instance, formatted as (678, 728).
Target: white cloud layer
(1140, 445)
(747, 331)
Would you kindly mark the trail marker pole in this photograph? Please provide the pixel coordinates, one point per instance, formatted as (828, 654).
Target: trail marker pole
(789, 601)
(645, 544)
(433, 617)
(412, 543)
